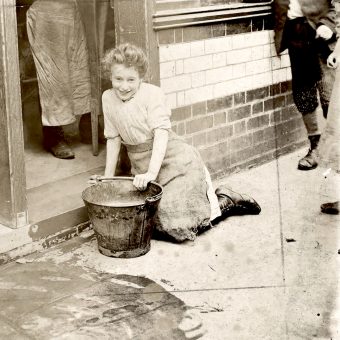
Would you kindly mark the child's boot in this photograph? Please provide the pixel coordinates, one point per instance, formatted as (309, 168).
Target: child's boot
(310, 162)
(54, 142)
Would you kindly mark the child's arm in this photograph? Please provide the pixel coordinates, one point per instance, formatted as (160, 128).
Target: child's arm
(160, 143)
(112, 153)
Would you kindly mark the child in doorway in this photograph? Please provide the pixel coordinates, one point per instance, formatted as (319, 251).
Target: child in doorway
(135, 114)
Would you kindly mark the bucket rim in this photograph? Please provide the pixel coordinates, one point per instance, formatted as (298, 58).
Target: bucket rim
(149, 199)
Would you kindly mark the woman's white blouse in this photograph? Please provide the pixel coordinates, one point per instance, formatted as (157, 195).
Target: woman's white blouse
(135, 120)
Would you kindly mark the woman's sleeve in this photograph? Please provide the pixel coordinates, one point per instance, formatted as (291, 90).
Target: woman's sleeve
(158, 112)
(110, 131)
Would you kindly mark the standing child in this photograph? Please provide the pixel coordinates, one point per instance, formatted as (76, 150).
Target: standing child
(135, 114)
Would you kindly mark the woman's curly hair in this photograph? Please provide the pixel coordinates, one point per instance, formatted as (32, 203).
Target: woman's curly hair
(125, 54)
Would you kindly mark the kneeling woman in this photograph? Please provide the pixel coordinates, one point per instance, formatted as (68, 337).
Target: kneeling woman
(135, 114)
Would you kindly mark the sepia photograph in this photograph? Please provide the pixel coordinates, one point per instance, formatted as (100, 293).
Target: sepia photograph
(169, 169)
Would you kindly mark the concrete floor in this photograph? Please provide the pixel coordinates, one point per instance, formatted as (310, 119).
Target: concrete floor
(273, 276)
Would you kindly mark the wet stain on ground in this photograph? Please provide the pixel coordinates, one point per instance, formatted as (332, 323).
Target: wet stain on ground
(79, 306)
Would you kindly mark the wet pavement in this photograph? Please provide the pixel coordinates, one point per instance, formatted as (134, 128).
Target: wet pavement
(273, 276)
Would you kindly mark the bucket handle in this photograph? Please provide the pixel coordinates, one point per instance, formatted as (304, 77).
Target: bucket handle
(148, 200)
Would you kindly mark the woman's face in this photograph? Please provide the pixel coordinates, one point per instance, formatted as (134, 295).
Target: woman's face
(125, 81)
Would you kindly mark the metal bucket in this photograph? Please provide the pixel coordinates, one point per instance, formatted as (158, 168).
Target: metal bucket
(122, 216)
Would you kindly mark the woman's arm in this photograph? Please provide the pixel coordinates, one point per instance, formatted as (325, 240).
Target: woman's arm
(112, 153)
(160, 144)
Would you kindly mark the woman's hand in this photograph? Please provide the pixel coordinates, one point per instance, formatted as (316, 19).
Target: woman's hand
(141, 181)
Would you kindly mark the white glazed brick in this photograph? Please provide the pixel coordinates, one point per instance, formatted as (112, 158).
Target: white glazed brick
(289, 73)
(221, 44)
(267, 51)
(258, 66)
(198, 79)
(219, 59)
(221, 89)
(239, 71)
(238, 56)
(197, 64)
(174, 52)
(167, 69)
(178, 83)
(279, 75)
(276, 63)
(180, 98)
(259, 38)
(263, 79)
(171, 100)
(257, 53)
(197, 48)
(285, 61)
(240, 41)
(243, 84)
(219, 74)
(198, 94)
(179, 67)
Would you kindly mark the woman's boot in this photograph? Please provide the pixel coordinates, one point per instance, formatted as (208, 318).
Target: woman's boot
(232, 203)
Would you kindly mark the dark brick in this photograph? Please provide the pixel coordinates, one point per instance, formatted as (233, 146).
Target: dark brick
(241, 156)
(241, 142)
(239, 127)
(219, 103)
(199, 139)
(268, 105)
(199, 108)
(290, 99)
(220, 134)
(181, 129)
(239, 113)
(257, 122)
(260, 93)
(238, 26)
(286, 86)
(279, 102)
(199, 124)
(260, 136)
(193, 33)
(289, 112)
(239, 98)
(216, 164)
(275, 89)
(275, 117)
(257, 108)
(181, 113)
(266, 146)
(166, 37)
(220, 118)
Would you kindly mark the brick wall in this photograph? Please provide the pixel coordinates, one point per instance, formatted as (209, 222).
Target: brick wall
(230, 95)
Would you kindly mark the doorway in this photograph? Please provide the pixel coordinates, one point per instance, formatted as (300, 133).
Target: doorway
(54, 185)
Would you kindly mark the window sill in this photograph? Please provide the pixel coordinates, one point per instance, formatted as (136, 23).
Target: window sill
(184, 17)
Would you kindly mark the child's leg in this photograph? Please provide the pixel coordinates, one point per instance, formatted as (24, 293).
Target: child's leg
(214, 205)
